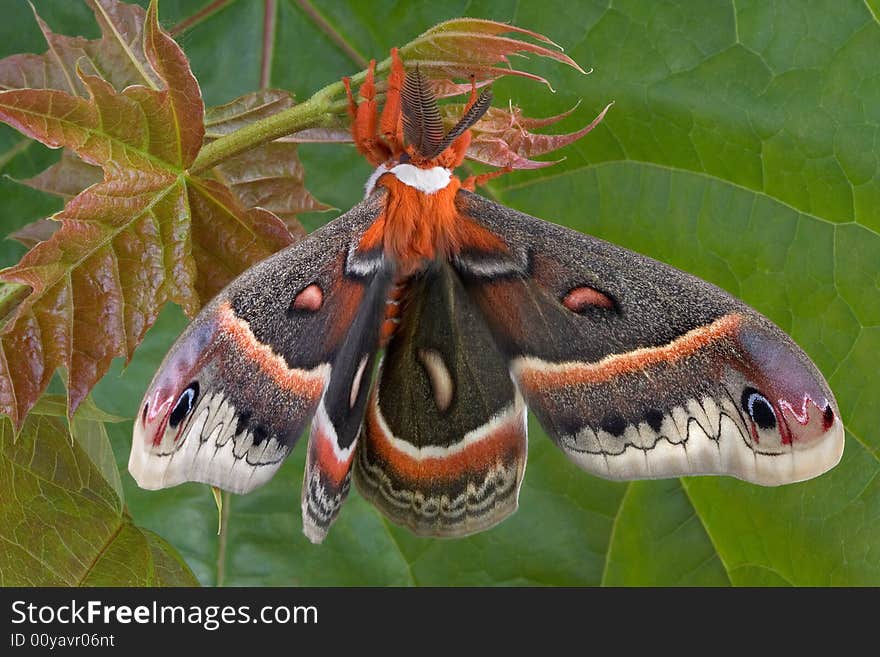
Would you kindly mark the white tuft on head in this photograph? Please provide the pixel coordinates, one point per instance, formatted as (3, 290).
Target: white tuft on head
(425, 180)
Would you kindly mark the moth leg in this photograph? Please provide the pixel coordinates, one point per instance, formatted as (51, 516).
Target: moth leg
(391, 123)
(352, 103)
(473, 97)
(365, 119)
(471, 182)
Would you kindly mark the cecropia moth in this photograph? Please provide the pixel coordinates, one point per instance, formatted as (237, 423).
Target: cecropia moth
(634, 368)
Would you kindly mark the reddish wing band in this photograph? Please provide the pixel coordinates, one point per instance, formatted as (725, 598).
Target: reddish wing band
(639, 370)
(235, 392)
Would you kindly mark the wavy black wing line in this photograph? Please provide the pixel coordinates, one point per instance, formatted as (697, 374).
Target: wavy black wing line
(611, 348)
(254, 365)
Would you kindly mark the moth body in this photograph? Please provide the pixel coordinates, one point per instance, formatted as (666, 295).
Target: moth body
(634, 368)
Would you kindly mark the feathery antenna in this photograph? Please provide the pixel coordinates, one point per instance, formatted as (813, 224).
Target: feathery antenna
(422, 124)
(474, 114)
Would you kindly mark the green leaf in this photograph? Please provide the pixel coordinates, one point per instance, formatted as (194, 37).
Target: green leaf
(461, 47)
(34, 233)
(738, 149)
(66, 178)
(117, 56)
(124, 247)
(62, 519)
(56, 406)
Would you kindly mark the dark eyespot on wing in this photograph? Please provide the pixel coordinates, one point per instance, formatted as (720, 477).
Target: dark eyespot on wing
(828, 417)
(763, 414)
(758, 408)
(184, 404)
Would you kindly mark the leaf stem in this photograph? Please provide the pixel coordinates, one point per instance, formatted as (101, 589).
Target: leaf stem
(318, 111)
(311, 11)
(224, 534)
(269, 10)
(199, 16)
(315, 112)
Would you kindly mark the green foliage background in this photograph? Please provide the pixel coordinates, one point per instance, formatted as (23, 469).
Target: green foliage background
(743, 147)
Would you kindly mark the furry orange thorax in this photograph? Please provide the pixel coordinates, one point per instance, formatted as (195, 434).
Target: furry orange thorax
(416, 226)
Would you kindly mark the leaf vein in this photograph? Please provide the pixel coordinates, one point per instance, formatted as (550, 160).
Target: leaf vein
(688, 495)
(134, 60)
(613, 532)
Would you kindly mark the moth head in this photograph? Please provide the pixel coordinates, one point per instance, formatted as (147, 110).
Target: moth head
(786, 404)
(170, 401)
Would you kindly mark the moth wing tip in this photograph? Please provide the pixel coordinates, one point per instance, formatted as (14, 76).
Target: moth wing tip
(143, 469)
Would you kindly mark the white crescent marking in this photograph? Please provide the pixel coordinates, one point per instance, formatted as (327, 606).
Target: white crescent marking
(356, 382)
(441, 379)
